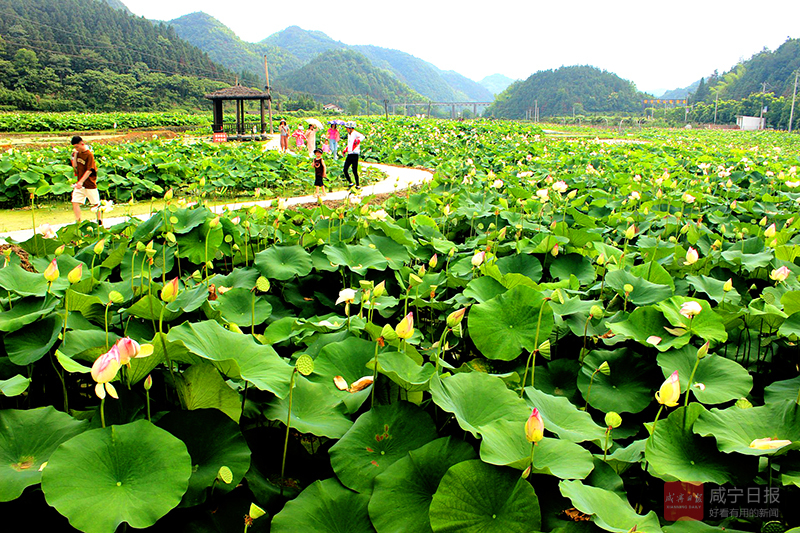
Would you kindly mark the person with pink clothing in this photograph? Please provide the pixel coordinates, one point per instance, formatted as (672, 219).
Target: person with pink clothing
(333, 139)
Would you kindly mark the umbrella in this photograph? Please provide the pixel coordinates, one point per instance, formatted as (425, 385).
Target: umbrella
(337, 122)
(315, 122)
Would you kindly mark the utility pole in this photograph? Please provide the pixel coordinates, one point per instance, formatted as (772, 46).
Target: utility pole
(386, 108)
(716, 101)
(794, 96)
(269, 96)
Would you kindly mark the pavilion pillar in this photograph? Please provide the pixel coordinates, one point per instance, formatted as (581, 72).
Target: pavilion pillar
(263, 124)
(217, 126)
(238, 117)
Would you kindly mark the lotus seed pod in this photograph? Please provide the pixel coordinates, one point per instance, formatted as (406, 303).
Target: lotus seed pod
(115, 297)
(596, 311)
(225, 475)
(256, 511)
(544, 349)
(304, 364)
(628, 288)
(613, 420)
(262, 284)
(743, 403)
(604, 368)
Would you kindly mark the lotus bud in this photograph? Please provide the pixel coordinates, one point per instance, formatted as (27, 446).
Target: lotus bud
(728, 285)
(51, 272)
(148, 382)
(433, 262)
(601, 259)
(98, 248)
(451, 253)
(214, 222)
(140, 247)
(364, 209)
(703, 350)
(691, 256)
(554, 251)
(630, 233)
(613, 420)
(733, 205)
(572, 194)
(197, 276)
(717, 244)
(478, 258)
(534, 427)
(596, 311)
(379, 290)
(628, 288)
(60, 249)
(770, 231)
(456, 317)
(604, 368)
(115, 297)
(672, 239)
(75, 274)
(778, 274)
(414, 280)
(527, 472)
(405, 329)
(202, 182)
(763, 221)
(502, 234)
(691, 309)
(169, 194)
(421, 271)
(670, 391)
(170, 291)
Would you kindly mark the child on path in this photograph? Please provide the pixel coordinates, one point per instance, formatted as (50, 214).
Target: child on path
(352, 151)
(283, 129)
(320, 173)
(85, 188)
(311, 139)
(299, 137)
(333, 139)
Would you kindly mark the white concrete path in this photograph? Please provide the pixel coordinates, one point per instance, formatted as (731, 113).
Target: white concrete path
(398, 178)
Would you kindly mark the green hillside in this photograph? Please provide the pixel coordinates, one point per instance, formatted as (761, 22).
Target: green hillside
(766, 71)
(84, 54)
(117, 4)
(337, 74)
(226, 48)
(587, 88)
(496, 83)
(305, 45)
(471, 90)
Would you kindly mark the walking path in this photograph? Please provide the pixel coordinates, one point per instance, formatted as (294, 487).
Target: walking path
(399, 178)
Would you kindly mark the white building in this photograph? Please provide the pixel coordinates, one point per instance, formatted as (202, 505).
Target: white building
(750, 123)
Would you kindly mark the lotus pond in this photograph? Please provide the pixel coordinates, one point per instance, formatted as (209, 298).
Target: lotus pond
(546, 337)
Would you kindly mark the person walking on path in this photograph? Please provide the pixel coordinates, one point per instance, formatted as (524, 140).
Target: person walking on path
(299, 137)
(85, 188)
(333, 140)
(352, 151)
(283, 129)
(320, 173)
(311, 139)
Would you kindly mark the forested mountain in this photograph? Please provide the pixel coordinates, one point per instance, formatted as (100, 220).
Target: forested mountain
(496, 83)
(473, 91)
(680, 93)
(85, 54)
(341, 73)
(226, 48)
(766, 71)
(584, 88)
(117, 4)
(305, 45)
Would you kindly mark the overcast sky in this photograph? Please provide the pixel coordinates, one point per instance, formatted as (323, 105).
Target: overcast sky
(657, 45)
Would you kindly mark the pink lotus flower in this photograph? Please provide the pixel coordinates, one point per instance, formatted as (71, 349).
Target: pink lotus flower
(769, 443)
(47, 231)
(104, 370)
(779, 274)
(691, 256)
(128, 349)
(534, 427)
(477, 259)
(405, 329)
(691, 309)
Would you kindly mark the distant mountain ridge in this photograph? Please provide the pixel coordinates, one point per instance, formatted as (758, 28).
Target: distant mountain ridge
(496, 83)
(292, 48)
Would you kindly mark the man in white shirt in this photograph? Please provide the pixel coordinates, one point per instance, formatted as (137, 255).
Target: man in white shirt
(352, 151)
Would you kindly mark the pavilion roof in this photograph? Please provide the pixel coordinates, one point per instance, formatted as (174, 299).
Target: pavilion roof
(238, 92)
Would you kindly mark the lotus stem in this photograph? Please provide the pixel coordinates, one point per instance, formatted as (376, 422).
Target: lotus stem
(532, 358)
(102, 413)
(164, 349)
(288, 421)
(374, 375)
(147, 402)
(589, 392)
(605, 446)
(658, 414)
(105, 322)
(441, 348)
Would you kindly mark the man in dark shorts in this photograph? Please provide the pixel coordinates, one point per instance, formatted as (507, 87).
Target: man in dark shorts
(352, 151)
(86, 186)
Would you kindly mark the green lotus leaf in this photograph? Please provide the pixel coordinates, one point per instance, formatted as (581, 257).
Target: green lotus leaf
(477, 399)
(708, 325)
(347, 359)
(695, 526)
(714, 289)
(187, 219)
(189, 300)
(735, 429)
(14, 278)
(202, 387)
(213, 441)
(14, 386)
(357, 258)
(609, 510)
(723, 379)
(557, 378)
(24, 312)
(257, 363)
(627, 389)
(525, 264)
(750, 261)
(504, 444)
(483, 289)
(791, 326)
(149, 307)
(32, 342)
(378, 439)
(563, 418)
(643, 293)
(27, 440)
(239, 278)
(476, 497)
(654, 273)
(403, 493)
(779, 391)
(196, 248)
(134, 473)
(314, 410)
(646, 322)
(325, 506)
(395, 254)
(243, 307)
(675, 453)
(504, 326)
(404, 371)
(283, 262)
(578, 265)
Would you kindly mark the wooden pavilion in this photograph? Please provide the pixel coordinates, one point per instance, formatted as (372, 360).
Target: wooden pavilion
(242, 129)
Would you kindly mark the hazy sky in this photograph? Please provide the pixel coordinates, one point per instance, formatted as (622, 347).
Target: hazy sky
(657, 45)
